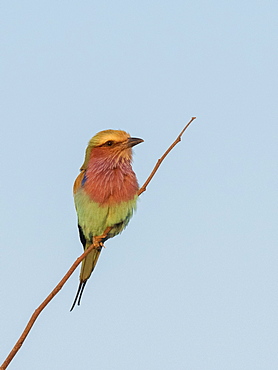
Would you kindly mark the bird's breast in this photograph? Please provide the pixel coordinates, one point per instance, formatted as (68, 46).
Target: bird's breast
(110, 187)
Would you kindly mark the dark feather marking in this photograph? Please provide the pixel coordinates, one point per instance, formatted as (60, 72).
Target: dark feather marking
(82, 236)
(84, 179)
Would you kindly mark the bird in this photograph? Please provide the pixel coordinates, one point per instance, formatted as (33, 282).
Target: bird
(105, 195)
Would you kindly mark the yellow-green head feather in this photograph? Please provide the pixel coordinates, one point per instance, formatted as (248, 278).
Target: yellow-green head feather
(100, 139)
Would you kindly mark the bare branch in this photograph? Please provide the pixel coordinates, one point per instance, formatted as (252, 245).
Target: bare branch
(97, 240)
(178, 139)
(58, 287)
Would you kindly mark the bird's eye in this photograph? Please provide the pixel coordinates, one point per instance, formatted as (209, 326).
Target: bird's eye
(109, 143)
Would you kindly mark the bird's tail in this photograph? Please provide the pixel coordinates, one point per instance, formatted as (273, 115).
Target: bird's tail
(87, 267)
(89, 263)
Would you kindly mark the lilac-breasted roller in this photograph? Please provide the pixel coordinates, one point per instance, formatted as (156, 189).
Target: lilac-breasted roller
(105, 194)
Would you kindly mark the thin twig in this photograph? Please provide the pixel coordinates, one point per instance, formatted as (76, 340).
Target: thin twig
(158, 163)
(59, 286)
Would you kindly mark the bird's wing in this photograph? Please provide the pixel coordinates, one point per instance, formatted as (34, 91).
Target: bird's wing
(78, 181)
(82, 236)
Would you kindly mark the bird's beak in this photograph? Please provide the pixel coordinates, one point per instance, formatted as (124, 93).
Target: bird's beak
(131, 141)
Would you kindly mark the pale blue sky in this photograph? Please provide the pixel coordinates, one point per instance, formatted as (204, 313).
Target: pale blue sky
(191, 284)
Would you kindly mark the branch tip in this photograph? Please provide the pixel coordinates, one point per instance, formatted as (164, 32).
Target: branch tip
(160, 160)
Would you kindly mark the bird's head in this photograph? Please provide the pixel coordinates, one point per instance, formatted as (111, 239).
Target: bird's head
(116, 144)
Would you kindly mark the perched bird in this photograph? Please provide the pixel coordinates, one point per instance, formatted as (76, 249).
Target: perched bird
(105, 194)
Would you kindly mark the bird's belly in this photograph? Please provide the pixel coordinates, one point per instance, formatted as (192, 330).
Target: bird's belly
(94, 218)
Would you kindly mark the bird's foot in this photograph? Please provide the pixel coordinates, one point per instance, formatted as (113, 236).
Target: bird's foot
(98, 243)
